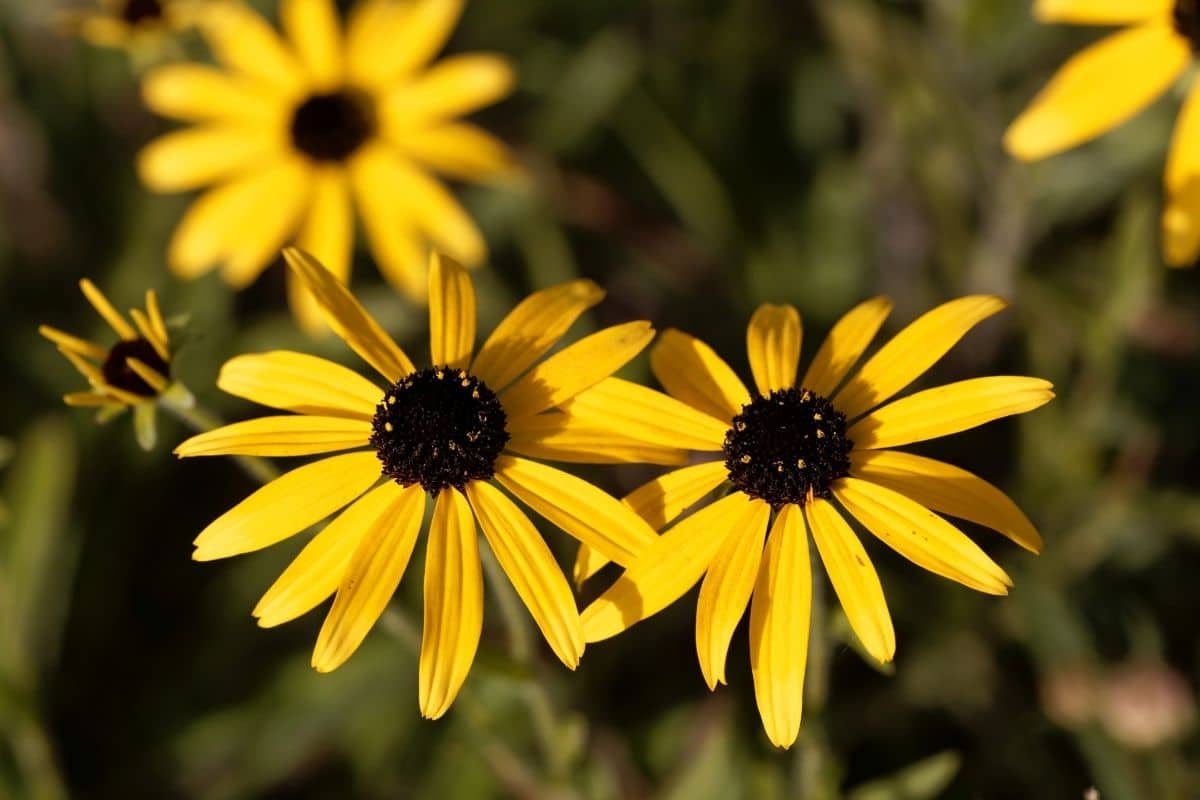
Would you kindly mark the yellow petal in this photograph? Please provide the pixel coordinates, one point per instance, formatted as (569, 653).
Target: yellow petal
(646, 415)
(398, 248)
(1181, 226)
(532, 328)
(948, 409)
(255, 240)
(349, 319)
(459, 150)
(312, 26)
(577, 507)
(301, 383)
(452, 87)
(1098, 89)
(194, 157)
(198, 92)
(912, 351)
(453, 604)
(279, 436)
(946, 489)
(87, 400)
(105, 309)
(387, 40)
(371, 578)
(531, 567)
(921, 536)
(1101, 12)
(575, 368)
(431, 206)
(86, 368)
(845, 344)
(73, 343)
(853, 578)
(288, 505)
(328, 234)
(451, 312)
(154, 314)
(773, 345)
(780, 614)
(671, 565)
(151, 376)
(243, 41)
(315, 574)
(690, 371)
(725, 592)
(1183, 159)
(150, 334)
(559, 437)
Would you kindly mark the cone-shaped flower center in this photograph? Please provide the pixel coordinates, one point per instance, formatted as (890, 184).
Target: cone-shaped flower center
(117, 372)
(787, 447)
(330, 127)
(439, 427)
(1187, 21)
(137, 11)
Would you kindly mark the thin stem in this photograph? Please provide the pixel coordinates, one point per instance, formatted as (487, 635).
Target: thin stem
(814, 775)
(201, 420)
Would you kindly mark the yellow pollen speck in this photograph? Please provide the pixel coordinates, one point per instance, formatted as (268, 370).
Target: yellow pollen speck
(440, 374)
(466, 382)
(820, 433)
(452, 445)
(741, 426)
(800, 464)
(805, 396)
(475, 395)
(745, 459)
(391, 399)
(817, 417)
(387, 426)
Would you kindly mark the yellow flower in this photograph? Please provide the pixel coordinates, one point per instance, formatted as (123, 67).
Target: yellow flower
(294, 133)
(132, 24)
(448, 430)
(791, 449)
(1111, 81)
(133, 373)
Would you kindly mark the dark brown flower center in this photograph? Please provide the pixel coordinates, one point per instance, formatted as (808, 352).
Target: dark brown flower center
(787, 447)
(135, 12)
(1187, 21)
(439, 427)
(330, 127)
(116, 369)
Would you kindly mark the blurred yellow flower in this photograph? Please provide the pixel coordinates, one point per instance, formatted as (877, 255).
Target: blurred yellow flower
(131, 24)
(133, 373)
(1112, 80)
(293, 133)
(790, 449)
(448, 430)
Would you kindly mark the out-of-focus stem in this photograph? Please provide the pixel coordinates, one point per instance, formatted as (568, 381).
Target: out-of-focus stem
(201, 420)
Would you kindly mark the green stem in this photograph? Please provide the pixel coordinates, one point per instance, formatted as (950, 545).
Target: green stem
(814, 775)
(201, 420)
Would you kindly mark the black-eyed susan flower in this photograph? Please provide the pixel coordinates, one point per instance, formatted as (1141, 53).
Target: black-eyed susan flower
(455, 431)
(132, 24)
(133, 373)
(1112, 80)
(806, 453)
(294, 133)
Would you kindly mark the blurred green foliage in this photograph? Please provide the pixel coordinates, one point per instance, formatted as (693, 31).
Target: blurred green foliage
(694, 157)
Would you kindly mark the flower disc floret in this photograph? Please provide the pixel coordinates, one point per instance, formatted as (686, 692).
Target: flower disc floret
(1186, 16)
(439, 427)
(787, 447)
(135, 12)
(331, 127)
(117, 372)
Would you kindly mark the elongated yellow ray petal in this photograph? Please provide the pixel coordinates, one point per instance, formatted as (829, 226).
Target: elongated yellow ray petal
(459, 150)
(193, 157)
(398, 247)
(725, 593)
(561, 437)
(73, 343)
(199, 92)
(146, 329)
(105, 309)
(153, 378)
(429, 205)
(280, 436)
(1101, 12)
(452, 87)
(243, 41)
(844, 345)
(328, 234)
(646, 415)
(451, 312)
(301, 383)
(315, 34)
(690, 371)
(773, 345)
(387, 40)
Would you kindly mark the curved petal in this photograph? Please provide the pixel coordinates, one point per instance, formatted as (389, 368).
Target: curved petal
(912, 351)
(921, 536)
(646, 415)
(946, 489)
(371, 578)
(328, 234)
(437, 213)
(576, 368)
(532, 328)
(559, 437)
(670, 566)
(349, 319)
(724, 595)
(1181, 225)
(1101, 12)
(288, 505)
(195, 157)
(853, 578)
(451, 312)
(780, 614)
(106, 310)
(315, 574)
(315, 34)
(531, 567)
(773, 345)
(453, 604)
(452, 87)
(391, 231)
(578, 508)
(460, 150)
(300, 383)
(387, 40)
(844, 345)
(690, 371)
(948, 409)
(243, 41)
(1183, 159)
(198, 92)
(279, 436)
(1098, 89)
(74, 344)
